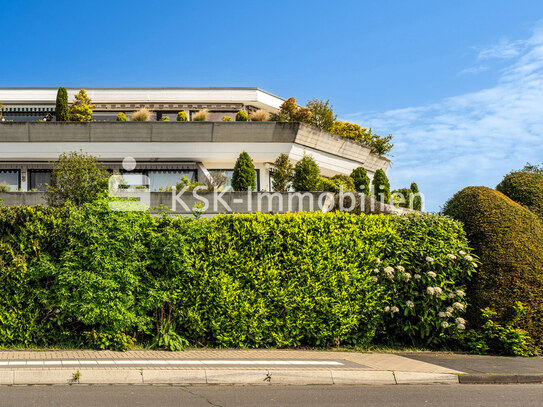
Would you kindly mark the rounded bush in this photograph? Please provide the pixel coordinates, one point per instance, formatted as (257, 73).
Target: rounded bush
(509, 241)
(182, 117)
(524, 188)
(121, 117)
(242, 116)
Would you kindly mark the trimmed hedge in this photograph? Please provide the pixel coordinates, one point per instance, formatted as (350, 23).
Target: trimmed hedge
(524, 188)
(509, 241)
(96, 277)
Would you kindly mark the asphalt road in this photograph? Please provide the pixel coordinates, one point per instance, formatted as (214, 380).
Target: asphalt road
(239, 396)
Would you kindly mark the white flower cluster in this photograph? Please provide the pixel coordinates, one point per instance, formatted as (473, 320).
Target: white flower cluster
(400, 268)
(458, 305)
(410, 304)
(434, 290)
(389, 273)
(451, 256)
(406, 276)
(416, 276)
(429, 259)
(432, 274)
(460, 293)
(375, 279)
(468, 258)
(462, 253)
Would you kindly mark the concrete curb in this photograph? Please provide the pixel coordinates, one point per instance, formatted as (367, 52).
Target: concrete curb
(500, 379)
(219, 376)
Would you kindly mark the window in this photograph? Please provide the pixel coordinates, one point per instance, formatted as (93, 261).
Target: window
(39, 179)
(10, 178)
(166, 179)
(157, 179)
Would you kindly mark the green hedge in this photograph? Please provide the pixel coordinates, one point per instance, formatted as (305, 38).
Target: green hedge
(90, 276)
(509, 241)
(524, 188)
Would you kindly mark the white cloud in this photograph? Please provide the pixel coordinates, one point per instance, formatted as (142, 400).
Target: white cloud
(470, 139)
(474, 69)
(503, 50)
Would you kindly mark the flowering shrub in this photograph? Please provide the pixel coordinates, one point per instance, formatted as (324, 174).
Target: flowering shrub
(427, 299)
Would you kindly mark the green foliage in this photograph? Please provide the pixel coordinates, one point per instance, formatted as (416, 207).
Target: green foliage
(113, 341)
(322, 114)
(289, 111)
(182, 117)
(184, 182)
(76, 177)
(337, 184)
(165, 119)
(361, 180)
(282, 173)
(381, 186)
(306, 175)
(121, 117)
(81, 108)
(242, 116)
(407, 197)
(5, 187)
(505, 340)
(525, 188)
(536, 169)
(100, 278)
(424, 271)
(226, 119)
(62, 111)
(244, 176)
(508, 238)
(379, 145)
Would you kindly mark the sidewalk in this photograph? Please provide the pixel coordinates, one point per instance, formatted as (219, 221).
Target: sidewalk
(255, 366)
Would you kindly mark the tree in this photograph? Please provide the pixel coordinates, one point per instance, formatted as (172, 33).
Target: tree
(81, 109)
(322, 114)
(361, 180)
(337, 183)
(244, 176)
(306, 175)
(242, 116)
(381, 186)
(417, 199)
(282, 173)
(76, 177)
(121, 117)
(289, 111)
(379, 145)
(182, 117)
(62, 112)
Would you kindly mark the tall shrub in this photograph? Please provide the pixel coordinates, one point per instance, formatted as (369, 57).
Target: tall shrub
(509, 241)
(417, 199)
(81, 108)
(306, 175)
(361, 180)
(244, 176)
(77, 178)
(282, 173)
(322, 114)
(381, 186)
(201, 115)
(62, 112)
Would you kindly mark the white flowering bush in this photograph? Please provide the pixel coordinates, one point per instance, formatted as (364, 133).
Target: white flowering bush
(425, 283)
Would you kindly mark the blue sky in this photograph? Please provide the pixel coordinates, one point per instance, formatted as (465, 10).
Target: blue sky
(458, 84)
